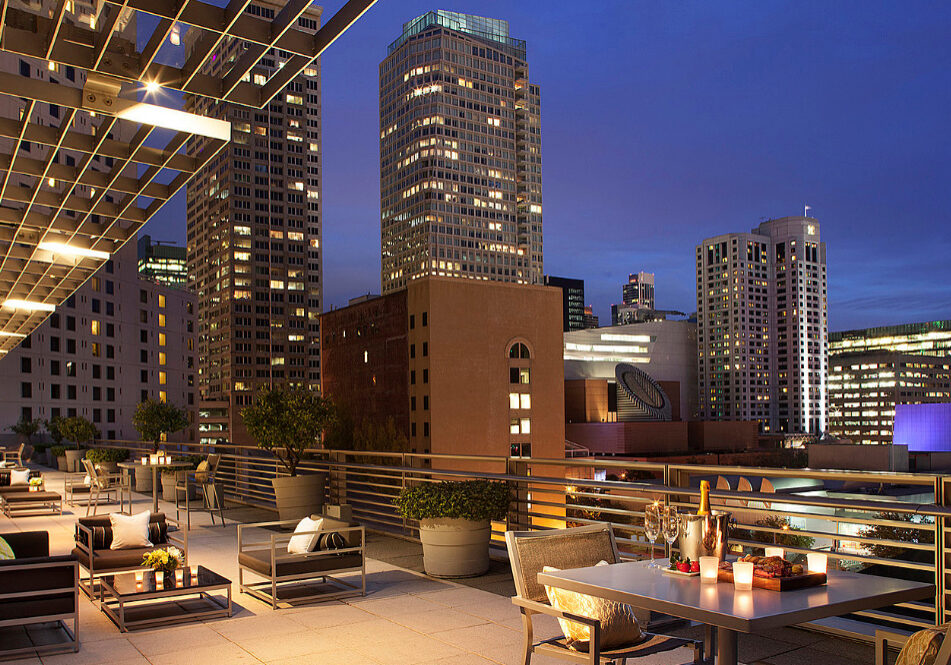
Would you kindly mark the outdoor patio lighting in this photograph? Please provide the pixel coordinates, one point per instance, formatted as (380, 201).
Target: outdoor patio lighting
(180, 121)
(29, 305)
(743, 575)
(709, 569)
(151, 87)
(4, 333)
(817, 562)
(70, 250)
(775, 551)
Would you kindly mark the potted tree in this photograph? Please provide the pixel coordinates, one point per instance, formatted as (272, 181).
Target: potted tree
(107, 459)
(154, 420)
(287, 422)
(58, 453)
(56, 436)
(78, 430)
(26, 430)
(454, 523)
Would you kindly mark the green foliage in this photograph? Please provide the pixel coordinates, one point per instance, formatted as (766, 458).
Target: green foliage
(152, 419)
(287, 422)
(106, 455)
(52, 426)
(58, 451)
(27, 428)
(77, 429)
(896, 533)
(469, 499)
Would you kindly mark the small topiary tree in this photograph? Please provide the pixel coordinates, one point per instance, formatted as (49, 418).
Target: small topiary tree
(288, 421)
(476, 500)
(77, 429)
(27, 428)
(153, 419)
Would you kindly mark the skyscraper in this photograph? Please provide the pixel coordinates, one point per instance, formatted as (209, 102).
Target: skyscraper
(639, 290)
(254, 251)
(572, 301)
(163, 263)
(460, 154)
(763, 326)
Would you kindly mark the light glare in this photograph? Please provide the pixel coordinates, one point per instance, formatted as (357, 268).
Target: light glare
(27, 304)
(63, 248)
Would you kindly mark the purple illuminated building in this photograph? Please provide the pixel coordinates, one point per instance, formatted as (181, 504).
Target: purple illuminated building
(923, 427)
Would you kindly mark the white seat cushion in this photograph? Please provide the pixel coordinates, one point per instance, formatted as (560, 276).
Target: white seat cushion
(305, 542)
(130, 531)
(20, 477)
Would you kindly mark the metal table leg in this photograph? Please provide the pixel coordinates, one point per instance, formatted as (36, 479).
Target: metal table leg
(726, 646)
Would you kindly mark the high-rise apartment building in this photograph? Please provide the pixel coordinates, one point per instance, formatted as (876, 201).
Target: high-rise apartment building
(162, 262)
(639, 290)
(763, 326)
(115, 342)
(254, 238)
(865, 388)
(460, 154)
(572, 301)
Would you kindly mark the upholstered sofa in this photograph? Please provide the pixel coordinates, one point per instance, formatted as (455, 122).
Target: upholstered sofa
(94, 538)
(37, 588)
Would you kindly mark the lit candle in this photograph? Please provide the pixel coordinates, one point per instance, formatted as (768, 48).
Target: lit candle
(138, 576)
(159, 578)
(775, 551)
(743, 575)
(153, 459)
(178, 576)
(709, 568)
(816, 562)
(145, 460)
(194, 570)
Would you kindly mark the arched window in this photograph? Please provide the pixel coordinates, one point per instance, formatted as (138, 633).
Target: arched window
(519, 350)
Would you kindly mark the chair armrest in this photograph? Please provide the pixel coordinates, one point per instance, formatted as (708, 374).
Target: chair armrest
(87, 548)
(179, 536)
(534, 607)
(885, 639)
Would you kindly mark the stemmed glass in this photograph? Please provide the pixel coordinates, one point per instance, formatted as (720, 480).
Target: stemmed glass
(652, 528)
(671, 526)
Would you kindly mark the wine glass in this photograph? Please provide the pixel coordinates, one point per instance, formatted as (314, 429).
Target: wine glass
(671, 527)
(652, 528)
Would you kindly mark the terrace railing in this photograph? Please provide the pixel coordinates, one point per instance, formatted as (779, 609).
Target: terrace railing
(883, 523)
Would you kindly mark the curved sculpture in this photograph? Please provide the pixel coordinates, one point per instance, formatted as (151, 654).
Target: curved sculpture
(639, 396)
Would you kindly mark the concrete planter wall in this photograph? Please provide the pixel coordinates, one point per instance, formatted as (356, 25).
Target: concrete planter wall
(143, 480)
(61, 463)
(455, 547)
(299, 496)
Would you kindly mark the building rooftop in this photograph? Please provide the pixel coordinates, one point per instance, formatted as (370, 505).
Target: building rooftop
(487, 29)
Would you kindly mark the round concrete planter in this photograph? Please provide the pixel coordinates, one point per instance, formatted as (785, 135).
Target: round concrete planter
(143, 480)
(455, 547)
(61, 463)
(299, 496)
(73, 463)
(168, 486)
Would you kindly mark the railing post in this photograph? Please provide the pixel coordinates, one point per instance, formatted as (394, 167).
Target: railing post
(940, 554)
(337, 477)
(518, 518)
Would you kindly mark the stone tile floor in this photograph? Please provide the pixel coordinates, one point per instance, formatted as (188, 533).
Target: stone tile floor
(406, 618)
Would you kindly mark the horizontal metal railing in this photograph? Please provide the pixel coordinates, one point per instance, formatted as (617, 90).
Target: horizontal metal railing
(883, 523)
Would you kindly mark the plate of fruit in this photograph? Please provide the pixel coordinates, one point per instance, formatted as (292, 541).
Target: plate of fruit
(682, 567)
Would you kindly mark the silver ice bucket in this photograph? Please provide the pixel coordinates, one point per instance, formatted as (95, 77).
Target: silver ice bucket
(704, 535)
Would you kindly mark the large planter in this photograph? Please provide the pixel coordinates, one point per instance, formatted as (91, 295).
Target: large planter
(299, 496)
(168, 486)
(73, 460)
(143, 480)
(455, 547)
(61, 463)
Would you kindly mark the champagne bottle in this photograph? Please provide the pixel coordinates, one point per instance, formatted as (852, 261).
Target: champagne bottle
(704, 498)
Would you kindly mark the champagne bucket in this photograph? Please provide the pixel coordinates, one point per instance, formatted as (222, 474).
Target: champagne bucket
(704, 535)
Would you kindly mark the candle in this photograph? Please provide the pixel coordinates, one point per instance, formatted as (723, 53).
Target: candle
(178, 576)
(153, 459)
(194, 570)
(743, 575)
(138, 576)
(709, 568)
(816, 562)
(159, 578)
(775, 551)
(145, 460)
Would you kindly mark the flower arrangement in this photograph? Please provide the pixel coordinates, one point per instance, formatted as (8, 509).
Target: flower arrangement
(166, 559)
(36, 482)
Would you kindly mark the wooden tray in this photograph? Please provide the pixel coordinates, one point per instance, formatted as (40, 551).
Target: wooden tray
(779, 583)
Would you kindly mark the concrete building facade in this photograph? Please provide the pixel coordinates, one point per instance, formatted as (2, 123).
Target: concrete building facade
(469, 367)
(115, 342)
(460, 154)
(254, 242)
(763, 326)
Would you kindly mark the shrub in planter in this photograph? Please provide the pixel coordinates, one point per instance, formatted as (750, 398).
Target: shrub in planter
(107, 459)
(58, 453)
(454, 523)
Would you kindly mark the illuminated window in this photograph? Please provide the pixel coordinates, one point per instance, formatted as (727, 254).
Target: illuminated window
(162, 379)
(161, 320)
(163, 396)
(526, 425)
(525, 401)
(161, 339)
(94, 327)
(161, 300)
(513, 400)
(161, 358)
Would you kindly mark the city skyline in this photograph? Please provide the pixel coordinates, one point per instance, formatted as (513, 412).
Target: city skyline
(620, 195)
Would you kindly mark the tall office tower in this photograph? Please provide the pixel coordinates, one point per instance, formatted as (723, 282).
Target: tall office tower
(763, 326)
(162, 262)
(572, 301)
(639, 290)
(931, 338)
(254, 250)
(460, 154)
(590, 319)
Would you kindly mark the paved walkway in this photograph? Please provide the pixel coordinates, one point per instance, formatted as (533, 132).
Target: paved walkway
(405, 619)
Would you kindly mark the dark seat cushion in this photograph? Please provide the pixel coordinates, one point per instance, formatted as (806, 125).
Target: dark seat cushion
(10, 490)
(107, 560)
(27, 497)
(26, 608)
(260, 562)
(27, 544)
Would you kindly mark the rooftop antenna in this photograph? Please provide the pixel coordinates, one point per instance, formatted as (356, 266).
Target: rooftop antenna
(805, 212)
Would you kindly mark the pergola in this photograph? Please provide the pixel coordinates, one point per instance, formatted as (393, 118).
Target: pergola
(61, 219)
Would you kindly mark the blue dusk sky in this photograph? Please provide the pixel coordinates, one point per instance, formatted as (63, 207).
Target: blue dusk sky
(667, 122)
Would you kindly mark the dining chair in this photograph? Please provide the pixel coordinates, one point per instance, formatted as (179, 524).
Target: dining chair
(203, 480)
(15, 456)
(575, 547)
(930, 646)
(105, 485)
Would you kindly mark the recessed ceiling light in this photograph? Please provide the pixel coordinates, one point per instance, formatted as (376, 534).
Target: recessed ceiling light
(4, 333)
(28, 304)
(63, 248)
(151, 87)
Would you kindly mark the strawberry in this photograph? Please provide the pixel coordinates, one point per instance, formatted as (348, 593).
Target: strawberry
(694, 566)
(683, 567)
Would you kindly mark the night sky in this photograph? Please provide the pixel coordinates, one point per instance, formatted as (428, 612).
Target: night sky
(667, 122)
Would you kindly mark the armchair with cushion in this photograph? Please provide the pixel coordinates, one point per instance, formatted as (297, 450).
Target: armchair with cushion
(91, 485)
(338, 548)
(202, 480)
(36, 588)
(926, 647)
(577, 547)
(94, 542)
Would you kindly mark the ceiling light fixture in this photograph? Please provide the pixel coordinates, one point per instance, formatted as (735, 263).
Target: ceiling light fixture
(4, 333)
(151, 87)
(159, 116)
(63, 248)
(28, 304)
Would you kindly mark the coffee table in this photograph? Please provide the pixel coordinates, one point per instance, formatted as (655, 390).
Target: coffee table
(31, 503)
(131, 605)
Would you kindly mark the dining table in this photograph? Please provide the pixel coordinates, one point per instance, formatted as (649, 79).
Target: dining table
(137, 466)
(729, 611)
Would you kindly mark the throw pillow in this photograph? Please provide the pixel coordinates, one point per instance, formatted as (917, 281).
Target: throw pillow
(6, 552)
(18, 477)
(922, 647)
(618, 625)
(305, 542)
(201, 472)
(331, 541)
(130, 531)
